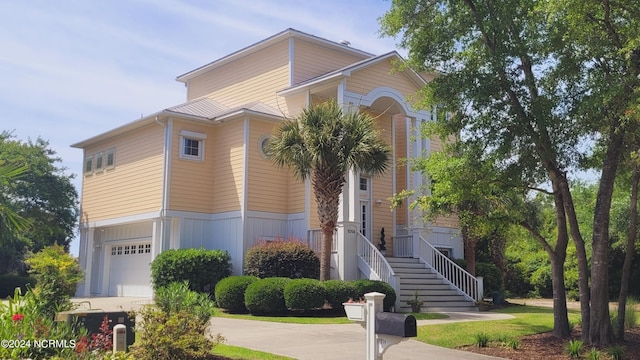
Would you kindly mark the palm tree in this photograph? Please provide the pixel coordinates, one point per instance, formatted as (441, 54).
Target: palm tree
(324, 143)
(10, 221)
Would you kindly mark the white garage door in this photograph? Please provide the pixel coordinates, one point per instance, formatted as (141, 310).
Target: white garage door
(129, 269)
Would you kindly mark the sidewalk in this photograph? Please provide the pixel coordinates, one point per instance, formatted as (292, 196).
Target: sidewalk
(312, 342)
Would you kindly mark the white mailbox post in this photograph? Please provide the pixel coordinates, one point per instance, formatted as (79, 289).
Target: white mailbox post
(382, 329)
(119, 338)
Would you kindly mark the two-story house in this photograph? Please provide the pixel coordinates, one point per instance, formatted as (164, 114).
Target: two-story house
(195, 174)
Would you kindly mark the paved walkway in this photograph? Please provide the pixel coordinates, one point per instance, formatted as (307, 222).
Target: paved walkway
(313, 342)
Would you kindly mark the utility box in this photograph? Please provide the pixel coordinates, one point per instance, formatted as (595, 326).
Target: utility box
(92, 319)
(394, 324)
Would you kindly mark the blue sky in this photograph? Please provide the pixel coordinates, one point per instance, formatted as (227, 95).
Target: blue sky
(70, 70)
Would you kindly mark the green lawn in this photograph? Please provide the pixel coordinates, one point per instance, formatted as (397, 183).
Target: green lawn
(234, 352)
(528, 320)
(320, 317)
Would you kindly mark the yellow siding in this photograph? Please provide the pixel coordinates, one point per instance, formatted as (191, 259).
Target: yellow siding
(296, 195)
(229, 166)
(256, 77)
(294, 104)
(192, 182)
(268, 188)
(314, 222)
(381, 74)
(382, 189)
(134, 185)
(311, 60)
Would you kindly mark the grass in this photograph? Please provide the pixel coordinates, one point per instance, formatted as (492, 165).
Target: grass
(528, 320)
(315, 317)
(235, 352)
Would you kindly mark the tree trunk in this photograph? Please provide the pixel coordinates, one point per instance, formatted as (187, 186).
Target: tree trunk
(581, 252)
(600, 322)
(325, 256)
(560, 315)
(628, 258)
(469, 251)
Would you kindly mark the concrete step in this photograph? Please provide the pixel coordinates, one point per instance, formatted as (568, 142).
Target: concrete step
(428, 292)
(401, 260)
(441, 308)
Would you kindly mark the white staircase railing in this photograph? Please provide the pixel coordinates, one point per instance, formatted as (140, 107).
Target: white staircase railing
(375, 267)
(314, 240)
(458, 277)
(403, 246)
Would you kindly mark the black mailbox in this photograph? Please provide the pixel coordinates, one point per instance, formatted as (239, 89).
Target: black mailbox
(92, 320)
(401, 325)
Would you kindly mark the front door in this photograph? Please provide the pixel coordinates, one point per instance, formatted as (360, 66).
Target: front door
(365, 206)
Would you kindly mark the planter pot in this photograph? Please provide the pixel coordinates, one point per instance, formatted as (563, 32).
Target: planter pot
(415, 308)
(355, 311)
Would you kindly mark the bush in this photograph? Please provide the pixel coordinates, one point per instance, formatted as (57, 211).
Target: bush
(201, 268)
(9, 283)
(230, 292)
(516, 280)
(164, 336)
(492, 278)
(338, 292)
(304, 294)
(266, 296)
(364, 286)
(57, 276)
(178, 298)
(282, 258)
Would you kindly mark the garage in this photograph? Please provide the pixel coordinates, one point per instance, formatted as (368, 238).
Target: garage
(129, 269)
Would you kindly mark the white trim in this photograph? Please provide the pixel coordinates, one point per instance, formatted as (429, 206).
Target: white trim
(122, 220)
(383, 91)
(274, 216)
(291, 60)
(89, 261)
(193, 134)
(394, 185)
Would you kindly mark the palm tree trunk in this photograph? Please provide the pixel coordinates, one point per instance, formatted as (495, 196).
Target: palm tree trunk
(325, 257)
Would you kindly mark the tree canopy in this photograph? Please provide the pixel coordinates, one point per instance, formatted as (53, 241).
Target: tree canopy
(42, 195)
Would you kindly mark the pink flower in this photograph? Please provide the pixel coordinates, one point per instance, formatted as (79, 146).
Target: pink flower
(17, 317)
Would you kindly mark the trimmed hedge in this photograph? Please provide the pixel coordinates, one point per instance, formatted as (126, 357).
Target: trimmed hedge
(201, 268)
(338, 292)
(304, 294)
(230, 292)
(283, 258)
(266, 296)
(364, 286)
(9, 283)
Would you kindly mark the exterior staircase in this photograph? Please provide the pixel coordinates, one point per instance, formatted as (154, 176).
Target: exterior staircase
(437, 295)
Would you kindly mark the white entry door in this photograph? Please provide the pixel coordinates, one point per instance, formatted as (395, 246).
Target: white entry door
(365, 206)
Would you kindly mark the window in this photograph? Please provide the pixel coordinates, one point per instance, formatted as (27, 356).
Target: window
(363, 184)
(88, 164)
(110, 159)
(147, 248)
(126, 250)
(99, 161)
(263, 144)
(445, 251)
(140, 249)
(192, 145)
(119, 250)
(113, 250)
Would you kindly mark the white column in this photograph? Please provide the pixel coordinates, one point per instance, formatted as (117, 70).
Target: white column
(89, 256)
(347, 250)
(373, 306)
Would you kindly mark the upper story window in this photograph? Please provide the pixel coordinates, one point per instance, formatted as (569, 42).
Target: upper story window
(99, 162)
(192, 145)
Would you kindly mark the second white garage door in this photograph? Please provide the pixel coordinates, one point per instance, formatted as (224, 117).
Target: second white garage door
(129, 269)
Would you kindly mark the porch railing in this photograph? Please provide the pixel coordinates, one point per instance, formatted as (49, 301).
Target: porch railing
(403, 246)
(374, 265)
(314, 239)
(458, 277)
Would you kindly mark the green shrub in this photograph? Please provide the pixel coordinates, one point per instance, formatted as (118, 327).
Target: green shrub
(616, 352)
(230, 292)
(364, 286)
(168, 336)
(178, 298)
(9, 283)
(283, 258)
(574, 348)
(201, 268)
(516, 280)
(304, 294)
(266, 296)
(492, 277)
(57, 276)
(338, 292)
(481, 339)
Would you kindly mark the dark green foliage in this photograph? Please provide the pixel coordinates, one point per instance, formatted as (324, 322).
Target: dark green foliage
(230, 292)
(177, 297)
(283, 258)
(364, 286)
(338, 292)
(516, 281)
(266, 296)
(201, 268)
(8, 284)
(304, 294)
(492, 278)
